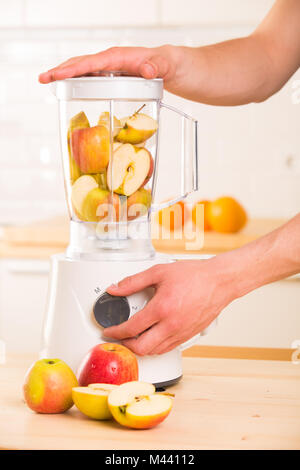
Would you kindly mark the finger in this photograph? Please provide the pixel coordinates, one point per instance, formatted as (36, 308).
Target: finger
(45, 77)
(166, 346)
(176, 340)
(125, 59)
(131, 284)
(136, 324)
(148, 340)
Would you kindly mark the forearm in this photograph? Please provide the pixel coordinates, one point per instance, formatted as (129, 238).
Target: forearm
(243, 70)
(229, 73)
(270, 258)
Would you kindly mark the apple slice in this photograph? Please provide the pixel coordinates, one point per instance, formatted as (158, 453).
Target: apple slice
(137, 128)
(104, 120)
(79, 121)
(128, 169)
(92, 401)
(80, 189)
(90, 148)
(136, 405)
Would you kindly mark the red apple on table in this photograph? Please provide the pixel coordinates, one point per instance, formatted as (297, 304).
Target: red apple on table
(109, 363)
(90, 148)
(48, 386)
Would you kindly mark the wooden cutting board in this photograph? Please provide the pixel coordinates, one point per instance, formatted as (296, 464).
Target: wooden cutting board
(43, 238)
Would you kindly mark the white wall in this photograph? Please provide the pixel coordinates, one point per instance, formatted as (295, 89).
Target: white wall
(251, 152)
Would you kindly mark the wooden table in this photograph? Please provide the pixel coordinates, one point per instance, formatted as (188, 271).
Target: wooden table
(219, 404)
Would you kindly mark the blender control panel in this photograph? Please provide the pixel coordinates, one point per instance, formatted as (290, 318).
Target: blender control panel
(110, 310)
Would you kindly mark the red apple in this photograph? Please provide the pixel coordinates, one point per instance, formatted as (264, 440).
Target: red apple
(48, 386)
(90, 148)
(108, 363)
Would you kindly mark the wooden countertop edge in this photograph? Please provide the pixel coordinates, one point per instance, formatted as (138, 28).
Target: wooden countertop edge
(239, 352)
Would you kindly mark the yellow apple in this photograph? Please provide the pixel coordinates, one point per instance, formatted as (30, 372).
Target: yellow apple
(128, 169)
(48, 386)
(92, 400)
(136, 405)
(98, 205)
(137, 129)
(90, 148)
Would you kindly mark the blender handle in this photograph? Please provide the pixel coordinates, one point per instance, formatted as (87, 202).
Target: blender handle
(189, 157)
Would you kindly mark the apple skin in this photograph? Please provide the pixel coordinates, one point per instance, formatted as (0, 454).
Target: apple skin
(90, 148)
(97, 205)
(108, 363)
(79, 121)
(48, 386)
(137, 422)
(138, 203)
(131, 135)
(92, 405)
(150, 172)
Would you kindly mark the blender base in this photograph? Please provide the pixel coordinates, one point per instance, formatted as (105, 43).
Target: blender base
(70, 329)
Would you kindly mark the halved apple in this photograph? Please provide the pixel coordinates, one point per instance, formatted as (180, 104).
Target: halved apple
(137, 128)
(136, 405)
(104, 120)
(92, 400)
(80, 189)
(128, 169)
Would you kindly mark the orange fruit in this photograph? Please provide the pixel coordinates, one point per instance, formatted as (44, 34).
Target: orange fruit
(195, 212)
(226, 215)
(173, 217)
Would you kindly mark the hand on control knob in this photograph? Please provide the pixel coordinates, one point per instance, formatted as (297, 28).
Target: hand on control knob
(189, 296)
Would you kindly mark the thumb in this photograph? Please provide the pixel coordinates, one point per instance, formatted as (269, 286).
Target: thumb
(156, 66)
(131, 284)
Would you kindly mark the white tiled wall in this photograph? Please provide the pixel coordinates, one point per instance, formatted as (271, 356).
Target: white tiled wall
(251, 152)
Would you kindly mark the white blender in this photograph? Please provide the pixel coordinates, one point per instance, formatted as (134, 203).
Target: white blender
(109, 126)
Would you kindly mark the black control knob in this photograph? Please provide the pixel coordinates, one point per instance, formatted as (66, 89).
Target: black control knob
(110, 310)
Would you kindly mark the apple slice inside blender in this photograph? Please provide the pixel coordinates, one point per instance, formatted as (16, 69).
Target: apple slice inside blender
(80, 189)
(92, 400)
(136, 405)
(128, 169)
(137, 128)
(104, 120)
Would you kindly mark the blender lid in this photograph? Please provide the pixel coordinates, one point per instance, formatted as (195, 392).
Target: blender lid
(108, 85)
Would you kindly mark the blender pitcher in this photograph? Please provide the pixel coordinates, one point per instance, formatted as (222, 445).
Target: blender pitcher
(109, 132)
(109, 129)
